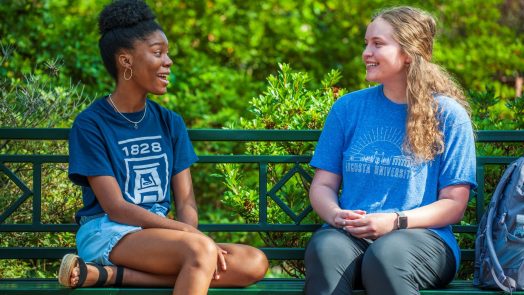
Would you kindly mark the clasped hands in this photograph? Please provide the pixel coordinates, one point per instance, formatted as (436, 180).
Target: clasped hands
(362, 225)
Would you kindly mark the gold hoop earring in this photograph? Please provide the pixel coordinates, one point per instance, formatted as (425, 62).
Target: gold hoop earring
(130, 76)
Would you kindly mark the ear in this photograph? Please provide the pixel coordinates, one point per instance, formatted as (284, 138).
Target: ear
(408, 59)
(125, 59)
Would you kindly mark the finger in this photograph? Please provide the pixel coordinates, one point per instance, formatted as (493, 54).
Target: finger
(357, 222)
(216, 275)
(222, 260)
(340, 221)
(350, 214)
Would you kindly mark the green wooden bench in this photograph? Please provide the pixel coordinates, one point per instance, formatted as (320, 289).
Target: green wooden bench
(33, 191)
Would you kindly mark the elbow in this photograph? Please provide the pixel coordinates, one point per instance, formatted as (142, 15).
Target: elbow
(117, 212)
(458, 216)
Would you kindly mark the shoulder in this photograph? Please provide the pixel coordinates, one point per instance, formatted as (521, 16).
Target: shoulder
(91, 114)
(357, 98)
(172, 119)
(451, 112)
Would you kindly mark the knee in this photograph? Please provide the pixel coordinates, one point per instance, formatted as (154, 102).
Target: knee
(250, 265)
(383, 263)
(258, 267)
(202, 253)
(321, 246)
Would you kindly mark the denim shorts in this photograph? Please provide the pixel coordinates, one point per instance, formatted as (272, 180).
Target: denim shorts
(98, 235)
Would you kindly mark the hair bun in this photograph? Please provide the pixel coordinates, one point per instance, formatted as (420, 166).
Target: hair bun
(123, 14)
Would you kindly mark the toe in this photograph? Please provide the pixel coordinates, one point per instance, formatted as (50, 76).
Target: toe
(75, 275)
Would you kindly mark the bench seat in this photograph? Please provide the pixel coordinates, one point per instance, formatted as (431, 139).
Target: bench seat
(264, 287)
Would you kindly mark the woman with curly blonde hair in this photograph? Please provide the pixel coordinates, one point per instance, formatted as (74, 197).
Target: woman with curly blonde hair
(404, 154)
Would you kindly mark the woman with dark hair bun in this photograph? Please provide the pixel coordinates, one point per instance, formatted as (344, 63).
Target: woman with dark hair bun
(128, 153)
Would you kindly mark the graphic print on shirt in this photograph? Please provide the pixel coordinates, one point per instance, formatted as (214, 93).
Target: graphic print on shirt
(379, 152)
(146, 169)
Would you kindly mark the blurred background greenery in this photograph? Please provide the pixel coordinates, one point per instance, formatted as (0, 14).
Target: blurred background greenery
(273, 64)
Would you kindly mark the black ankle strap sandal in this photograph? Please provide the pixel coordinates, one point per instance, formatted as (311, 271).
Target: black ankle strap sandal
(70, 261)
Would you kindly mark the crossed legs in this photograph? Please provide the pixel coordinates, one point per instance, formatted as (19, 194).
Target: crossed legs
(163, 258)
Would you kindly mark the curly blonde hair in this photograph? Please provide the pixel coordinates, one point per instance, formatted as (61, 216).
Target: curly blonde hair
(415, 30)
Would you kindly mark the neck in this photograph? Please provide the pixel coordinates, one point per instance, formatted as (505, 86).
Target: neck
(128, 100)
(396, 93)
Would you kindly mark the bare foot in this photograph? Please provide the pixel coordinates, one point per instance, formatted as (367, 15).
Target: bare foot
(92, 275)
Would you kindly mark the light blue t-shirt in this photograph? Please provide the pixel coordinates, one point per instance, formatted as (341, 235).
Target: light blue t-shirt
(362, 141)
(142, 160)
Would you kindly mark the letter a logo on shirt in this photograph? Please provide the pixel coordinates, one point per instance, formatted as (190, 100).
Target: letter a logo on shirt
(146, 180)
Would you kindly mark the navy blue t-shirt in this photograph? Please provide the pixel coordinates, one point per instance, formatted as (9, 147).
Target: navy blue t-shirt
(142, 160)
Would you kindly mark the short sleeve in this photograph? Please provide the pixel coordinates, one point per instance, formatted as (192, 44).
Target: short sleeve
(183, 154)
(329, 150)
(87, 153)
(458, 161)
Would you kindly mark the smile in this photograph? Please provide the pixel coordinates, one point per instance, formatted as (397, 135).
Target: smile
(163, 78)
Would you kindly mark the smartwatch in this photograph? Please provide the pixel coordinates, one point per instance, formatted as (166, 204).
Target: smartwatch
(402, 220)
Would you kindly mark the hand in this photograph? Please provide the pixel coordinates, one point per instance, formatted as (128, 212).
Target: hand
(342, 216)
(371, 226)
(221, 263)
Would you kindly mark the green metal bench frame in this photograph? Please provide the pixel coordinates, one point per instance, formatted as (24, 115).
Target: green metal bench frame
(267, 286)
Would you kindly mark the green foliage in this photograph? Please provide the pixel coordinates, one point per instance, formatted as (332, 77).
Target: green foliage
(289, 102)
(223, 49)
(37, 99)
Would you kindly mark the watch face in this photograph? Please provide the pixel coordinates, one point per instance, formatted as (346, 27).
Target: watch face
(402, 222)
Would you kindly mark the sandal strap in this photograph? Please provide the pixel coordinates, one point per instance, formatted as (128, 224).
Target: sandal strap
(119, 276)
(102, 275)
(83, 272)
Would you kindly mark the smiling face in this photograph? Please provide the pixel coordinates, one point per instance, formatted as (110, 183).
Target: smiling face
(385, 61)
(150, 63)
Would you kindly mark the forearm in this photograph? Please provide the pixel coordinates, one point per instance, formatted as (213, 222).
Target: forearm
(132, 214)
(325, 202)
(110, 197)
(188, 214)
(438, 214)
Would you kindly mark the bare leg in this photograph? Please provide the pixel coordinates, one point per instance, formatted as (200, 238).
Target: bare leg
(188, 257)
(245, 266)
(163, 258)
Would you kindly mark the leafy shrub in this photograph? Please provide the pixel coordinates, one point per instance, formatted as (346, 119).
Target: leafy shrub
(289, 103)
(37, 100)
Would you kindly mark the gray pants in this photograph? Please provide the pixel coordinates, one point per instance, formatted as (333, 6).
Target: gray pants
(401, 262)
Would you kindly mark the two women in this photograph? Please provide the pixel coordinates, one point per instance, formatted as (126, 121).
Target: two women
(402, 151)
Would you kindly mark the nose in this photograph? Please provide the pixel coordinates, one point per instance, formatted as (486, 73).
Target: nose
(167, 61)
(367, 52)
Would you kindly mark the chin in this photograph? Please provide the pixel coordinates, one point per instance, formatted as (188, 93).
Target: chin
(158, 91)
(373, 79)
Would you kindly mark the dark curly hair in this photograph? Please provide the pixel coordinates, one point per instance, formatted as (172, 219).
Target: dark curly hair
(121, 23)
